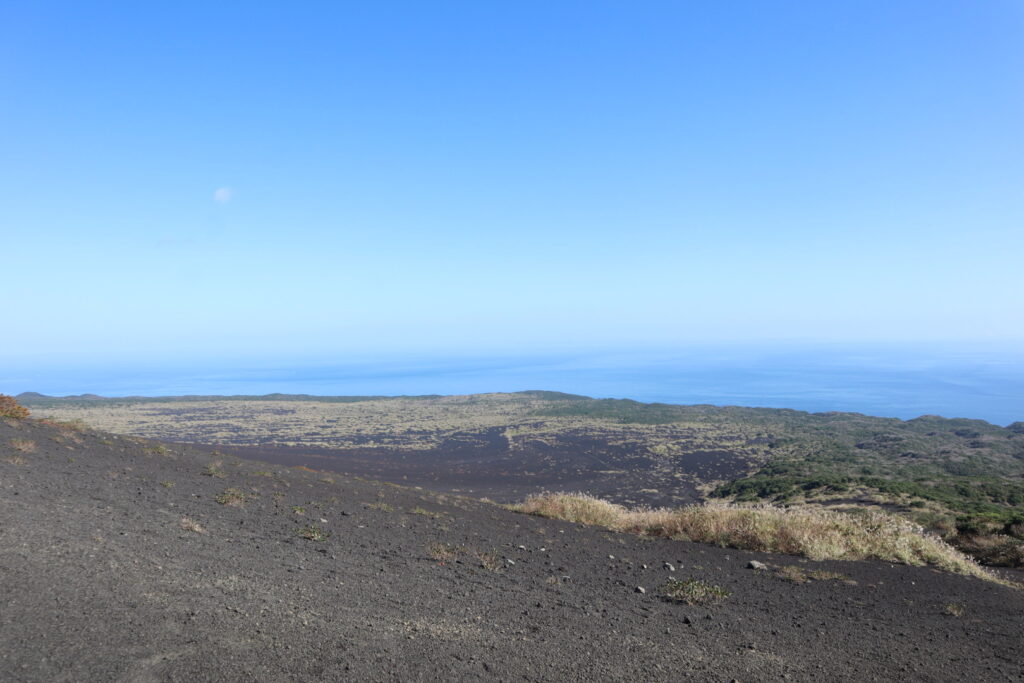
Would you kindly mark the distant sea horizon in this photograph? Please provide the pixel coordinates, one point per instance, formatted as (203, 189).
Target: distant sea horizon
(892, 381)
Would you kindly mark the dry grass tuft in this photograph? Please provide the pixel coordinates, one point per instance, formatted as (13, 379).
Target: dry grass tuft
(215, 469)
(23, 445)
(955, 609)
(823, 575)
(423, 512)
(443, 552)
(312, 533)
(16, 460)
(693, 591)
(792, 573)
(799, 575)
(232, 497)
(812, 532)
(192, 525)
(488, 560)
(67, 426)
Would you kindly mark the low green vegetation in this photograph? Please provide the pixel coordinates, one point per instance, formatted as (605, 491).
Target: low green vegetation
(964, 483)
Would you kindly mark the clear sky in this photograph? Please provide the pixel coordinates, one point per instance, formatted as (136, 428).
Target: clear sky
(228, 179)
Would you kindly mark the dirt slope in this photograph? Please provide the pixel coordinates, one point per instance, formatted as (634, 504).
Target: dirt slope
(100, 582)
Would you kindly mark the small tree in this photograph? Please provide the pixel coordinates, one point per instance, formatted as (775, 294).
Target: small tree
(11, 408)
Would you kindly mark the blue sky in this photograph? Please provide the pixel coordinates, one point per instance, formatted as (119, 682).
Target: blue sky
(227, 180)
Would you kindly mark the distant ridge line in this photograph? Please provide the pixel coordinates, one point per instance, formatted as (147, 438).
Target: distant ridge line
(35, 398)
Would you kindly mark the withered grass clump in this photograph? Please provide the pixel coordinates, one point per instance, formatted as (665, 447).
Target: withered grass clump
(693, 591)
(68, 428)
(189, 524)
(214, 469)
(955, 609)
(9, 407)
(443, 552)
(812, 532)
(23, 445)
(312, 533)
(232, 497)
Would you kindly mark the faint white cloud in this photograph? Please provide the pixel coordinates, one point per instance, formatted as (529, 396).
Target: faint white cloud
(223, 195)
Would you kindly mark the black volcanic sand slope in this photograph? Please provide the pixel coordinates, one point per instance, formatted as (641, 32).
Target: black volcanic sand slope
(127, 560)
(946, 474)
(477, 467)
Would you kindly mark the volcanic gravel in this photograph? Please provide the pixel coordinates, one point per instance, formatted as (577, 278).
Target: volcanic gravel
(127, 560)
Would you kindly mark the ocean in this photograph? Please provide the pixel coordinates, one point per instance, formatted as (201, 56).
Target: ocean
(903, 381)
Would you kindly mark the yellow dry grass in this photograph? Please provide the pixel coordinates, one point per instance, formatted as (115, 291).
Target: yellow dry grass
(814, 533)
(23, 445)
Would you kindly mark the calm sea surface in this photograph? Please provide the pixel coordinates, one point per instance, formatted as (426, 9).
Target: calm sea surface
(894, 382)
